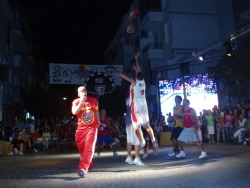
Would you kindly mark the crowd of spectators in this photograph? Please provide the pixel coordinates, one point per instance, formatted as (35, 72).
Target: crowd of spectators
(228, 124)
(40, 134)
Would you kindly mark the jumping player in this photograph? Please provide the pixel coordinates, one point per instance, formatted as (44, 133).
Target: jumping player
(138, 103)
(131, 138)
(86, 109)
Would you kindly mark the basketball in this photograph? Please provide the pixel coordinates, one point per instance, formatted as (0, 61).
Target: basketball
(131, 28)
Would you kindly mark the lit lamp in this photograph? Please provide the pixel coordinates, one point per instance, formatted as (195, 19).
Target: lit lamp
(201, 57)
(64, 98)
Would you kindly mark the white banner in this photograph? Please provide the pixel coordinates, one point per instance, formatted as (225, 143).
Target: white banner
(76, 74)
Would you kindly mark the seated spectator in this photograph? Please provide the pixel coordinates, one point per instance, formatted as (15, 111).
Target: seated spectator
(37, 139)
(26, 140)
(241, 128)
(46, 139)
(247, 132)
(16, 146)
(55, 139)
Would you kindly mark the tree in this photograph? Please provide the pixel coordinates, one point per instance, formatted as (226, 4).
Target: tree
(45, 104)
(234, 73)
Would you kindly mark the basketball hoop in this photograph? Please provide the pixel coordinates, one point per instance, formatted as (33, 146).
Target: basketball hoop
(100, 89)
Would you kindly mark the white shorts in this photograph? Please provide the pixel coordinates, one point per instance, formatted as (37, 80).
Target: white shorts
(188, 135)
(141, 114)
(131, 136)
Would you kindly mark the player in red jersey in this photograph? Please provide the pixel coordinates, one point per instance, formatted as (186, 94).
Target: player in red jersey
(189, 133)
(104, 137)
(86, 109)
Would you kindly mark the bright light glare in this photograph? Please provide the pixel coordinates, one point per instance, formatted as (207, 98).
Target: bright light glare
(64, 98)
(201, 58)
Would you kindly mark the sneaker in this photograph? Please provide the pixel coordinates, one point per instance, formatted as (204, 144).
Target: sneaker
(142, 144)
(145, 151)
(245, 143)
(173, 154)
(116, 155)
(155, 147)
(34, 150)
(138, 162)
(20, 153)
(81, 173)
(97, 156)
(181, 154)
(203, 155)
(129, 160)
(11, 153)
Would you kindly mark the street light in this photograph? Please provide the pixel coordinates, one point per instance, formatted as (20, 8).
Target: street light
(201, 57)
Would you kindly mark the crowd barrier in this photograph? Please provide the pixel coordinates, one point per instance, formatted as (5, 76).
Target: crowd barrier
(4, 147)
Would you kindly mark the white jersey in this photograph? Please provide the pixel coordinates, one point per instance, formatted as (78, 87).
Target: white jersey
(139, 108)
(139, 93)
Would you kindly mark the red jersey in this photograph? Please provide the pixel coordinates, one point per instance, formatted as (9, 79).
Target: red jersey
(87, 114)
(102, 131)
(187, 120)
(37, 135)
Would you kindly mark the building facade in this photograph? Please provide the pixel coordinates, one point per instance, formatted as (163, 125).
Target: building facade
(169, 33)
(18, 66)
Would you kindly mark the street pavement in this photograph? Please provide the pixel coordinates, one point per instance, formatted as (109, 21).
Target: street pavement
(227, 165)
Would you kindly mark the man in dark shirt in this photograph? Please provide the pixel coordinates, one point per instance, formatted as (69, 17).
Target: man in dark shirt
(16, 145)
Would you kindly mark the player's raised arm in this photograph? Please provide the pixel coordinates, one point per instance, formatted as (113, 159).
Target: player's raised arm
(136, 66)
(123, 76)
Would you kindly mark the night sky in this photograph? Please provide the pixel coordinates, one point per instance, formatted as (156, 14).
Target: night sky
(74, 31)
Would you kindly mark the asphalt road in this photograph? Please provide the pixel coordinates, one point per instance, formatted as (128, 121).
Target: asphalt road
(227, 165)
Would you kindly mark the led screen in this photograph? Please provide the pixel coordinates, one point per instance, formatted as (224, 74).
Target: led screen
(200, 90)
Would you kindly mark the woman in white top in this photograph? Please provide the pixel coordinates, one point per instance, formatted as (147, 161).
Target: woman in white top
(241, 127)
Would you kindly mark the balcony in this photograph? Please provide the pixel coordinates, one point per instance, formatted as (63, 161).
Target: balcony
(150, 21)
(153, 50)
